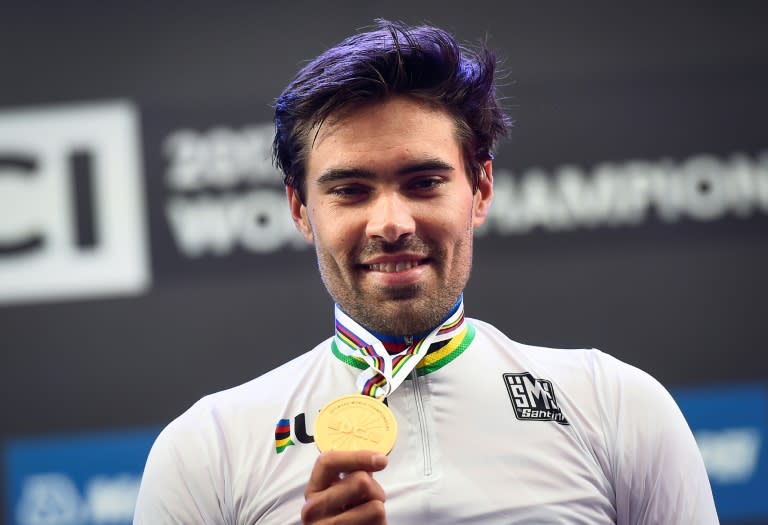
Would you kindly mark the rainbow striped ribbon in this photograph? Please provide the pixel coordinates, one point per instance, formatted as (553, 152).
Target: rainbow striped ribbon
(386, 372)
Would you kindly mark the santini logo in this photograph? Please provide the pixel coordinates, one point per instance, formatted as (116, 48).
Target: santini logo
(283, 433)
(72, 203)
(533, 399)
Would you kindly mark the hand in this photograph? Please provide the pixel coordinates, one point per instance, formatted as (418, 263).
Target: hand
(341, 489)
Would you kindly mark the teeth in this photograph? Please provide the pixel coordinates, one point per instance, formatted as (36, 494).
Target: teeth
(392, 267)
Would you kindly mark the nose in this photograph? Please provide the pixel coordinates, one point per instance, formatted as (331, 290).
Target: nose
(390, 218)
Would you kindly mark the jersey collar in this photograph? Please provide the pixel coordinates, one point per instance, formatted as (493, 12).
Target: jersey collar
(453, 337)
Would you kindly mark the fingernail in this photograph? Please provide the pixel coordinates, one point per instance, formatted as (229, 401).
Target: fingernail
(379, 460)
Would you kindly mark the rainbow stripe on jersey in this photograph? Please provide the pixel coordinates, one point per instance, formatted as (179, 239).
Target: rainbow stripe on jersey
(283, 435)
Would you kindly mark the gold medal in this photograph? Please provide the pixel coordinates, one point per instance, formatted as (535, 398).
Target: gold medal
(355, 422)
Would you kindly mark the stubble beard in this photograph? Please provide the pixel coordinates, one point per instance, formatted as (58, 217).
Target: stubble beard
(401, 310)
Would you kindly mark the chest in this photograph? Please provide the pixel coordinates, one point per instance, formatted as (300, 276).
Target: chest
(466, 452)
(472, 452)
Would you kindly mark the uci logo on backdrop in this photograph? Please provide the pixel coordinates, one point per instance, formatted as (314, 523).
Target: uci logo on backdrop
(72, 211)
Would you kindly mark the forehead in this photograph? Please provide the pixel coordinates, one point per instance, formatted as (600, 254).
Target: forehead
(398, 129)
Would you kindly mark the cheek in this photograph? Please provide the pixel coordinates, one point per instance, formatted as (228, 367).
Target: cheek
(455, 224)
(336, 242)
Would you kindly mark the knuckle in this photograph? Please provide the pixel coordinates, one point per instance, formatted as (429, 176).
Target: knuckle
(306, 513)
(312, 510)
(363, 484)
(325, 460)
(378, 512)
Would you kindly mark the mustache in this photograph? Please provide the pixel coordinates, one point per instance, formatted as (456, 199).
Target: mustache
(410, 244)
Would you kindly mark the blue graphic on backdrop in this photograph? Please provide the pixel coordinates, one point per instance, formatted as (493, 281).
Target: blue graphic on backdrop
(76, 480)
(731, 425)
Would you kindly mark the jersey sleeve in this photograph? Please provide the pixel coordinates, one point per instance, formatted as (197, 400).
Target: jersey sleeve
(659, 474)
(183, 478)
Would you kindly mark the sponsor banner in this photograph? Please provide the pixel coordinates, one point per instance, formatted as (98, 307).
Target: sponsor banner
(223, 194)
(218, 203)
(701, 188)
(76, 480)
(731, 427)
(75, 204)
(71, 203)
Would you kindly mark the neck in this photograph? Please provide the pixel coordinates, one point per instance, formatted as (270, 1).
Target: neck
(397, 343)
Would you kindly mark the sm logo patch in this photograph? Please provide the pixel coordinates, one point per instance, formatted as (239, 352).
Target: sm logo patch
(533, 399)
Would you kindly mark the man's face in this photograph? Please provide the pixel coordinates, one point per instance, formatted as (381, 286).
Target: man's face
(391, 213)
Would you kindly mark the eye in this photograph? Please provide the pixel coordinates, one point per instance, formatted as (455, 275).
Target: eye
(348, 191)
(426, 184)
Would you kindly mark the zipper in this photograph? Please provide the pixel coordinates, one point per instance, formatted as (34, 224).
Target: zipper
(422, 418)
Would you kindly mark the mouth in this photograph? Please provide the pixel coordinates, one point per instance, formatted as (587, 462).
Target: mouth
(395, 266)
(396, 272)
(396, 269)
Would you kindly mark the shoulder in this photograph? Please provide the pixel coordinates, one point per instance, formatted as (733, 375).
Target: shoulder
(575, 366)
(225, 421)
(591, 362)
(605, 398)
(634, 427)
(248, 399)
(194, 461)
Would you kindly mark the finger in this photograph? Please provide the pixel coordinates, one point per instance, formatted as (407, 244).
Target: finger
(357, 488)
(369, 513)
(329, 465)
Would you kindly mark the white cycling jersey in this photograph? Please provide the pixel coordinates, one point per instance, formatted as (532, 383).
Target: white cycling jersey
(490, 431)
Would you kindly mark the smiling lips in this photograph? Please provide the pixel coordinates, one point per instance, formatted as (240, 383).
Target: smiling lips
(394, 267)
(394, 263)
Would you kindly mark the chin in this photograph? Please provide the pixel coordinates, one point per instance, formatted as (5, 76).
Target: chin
(407, 317)
(402, 293)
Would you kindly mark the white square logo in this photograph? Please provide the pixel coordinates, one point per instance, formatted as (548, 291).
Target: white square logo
(72, 207)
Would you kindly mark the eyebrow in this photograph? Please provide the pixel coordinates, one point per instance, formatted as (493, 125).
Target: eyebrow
(336, 174)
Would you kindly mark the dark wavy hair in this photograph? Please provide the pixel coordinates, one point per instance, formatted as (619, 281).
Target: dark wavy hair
(423, 62)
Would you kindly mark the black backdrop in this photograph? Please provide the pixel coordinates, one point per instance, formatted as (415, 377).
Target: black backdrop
(684, 299)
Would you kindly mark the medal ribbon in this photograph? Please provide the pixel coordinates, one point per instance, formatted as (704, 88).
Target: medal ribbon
(386, 372)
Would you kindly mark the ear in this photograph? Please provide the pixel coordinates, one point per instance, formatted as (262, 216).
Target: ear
(483, 195)
(299, 214)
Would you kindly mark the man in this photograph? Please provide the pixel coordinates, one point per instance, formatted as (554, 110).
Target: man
(385, 141)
